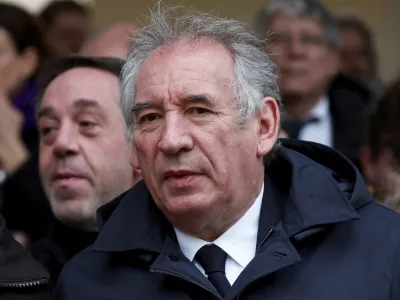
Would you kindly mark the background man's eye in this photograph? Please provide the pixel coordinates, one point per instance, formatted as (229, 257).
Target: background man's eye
(87, 124)
(46, 130)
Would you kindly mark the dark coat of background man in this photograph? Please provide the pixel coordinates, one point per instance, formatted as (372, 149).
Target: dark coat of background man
(380, 156)
(84, 151)
(289, 221)
(319, 105)
(66, 25)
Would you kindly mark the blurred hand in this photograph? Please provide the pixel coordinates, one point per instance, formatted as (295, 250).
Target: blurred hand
(13, 152)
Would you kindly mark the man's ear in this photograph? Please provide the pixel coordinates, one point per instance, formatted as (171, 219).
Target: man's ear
(268, 126)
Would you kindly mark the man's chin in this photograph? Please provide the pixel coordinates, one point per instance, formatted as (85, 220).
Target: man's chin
(75, 213)
(294, 91)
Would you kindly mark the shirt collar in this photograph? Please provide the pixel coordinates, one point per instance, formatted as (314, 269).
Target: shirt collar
(242, 235)
(321, 110)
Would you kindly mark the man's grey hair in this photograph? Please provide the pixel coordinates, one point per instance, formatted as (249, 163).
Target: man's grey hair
(256, 74)
(299, 8)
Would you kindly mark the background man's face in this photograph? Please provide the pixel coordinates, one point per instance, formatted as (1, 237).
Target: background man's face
(84, 152)
(68, 33)
(195, 158)
(355, 60)
(299, 48)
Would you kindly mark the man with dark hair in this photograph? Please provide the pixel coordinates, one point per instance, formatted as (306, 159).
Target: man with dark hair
(320, 105)
(66, 26)
(84, 151)
(212, 219)
(380, 156)
(357, 53)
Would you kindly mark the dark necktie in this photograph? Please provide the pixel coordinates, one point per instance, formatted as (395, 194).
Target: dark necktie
(293, 127)
(212, 258)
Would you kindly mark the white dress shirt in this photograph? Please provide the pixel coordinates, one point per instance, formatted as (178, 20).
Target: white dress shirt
(2, 176)
(239, 242)
(321, 131)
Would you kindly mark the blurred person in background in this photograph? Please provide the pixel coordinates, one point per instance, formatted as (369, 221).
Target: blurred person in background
(380, 156)
(22, 53)
(21, 277)
(112, 42)
(319, 105)
(66, 26)
(358, 57)
(84, 151)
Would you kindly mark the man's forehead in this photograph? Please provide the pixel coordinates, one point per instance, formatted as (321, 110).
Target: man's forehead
(81, 78)
(286, 21)
(82, 83)
(196, 59)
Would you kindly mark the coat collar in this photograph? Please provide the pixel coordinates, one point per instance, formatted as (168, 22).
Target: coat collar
(305, 196)
(131, 222)
(299, 193)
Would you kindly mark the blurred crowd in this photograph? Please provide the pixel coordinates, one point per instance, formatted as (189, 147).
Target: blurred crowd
(328, 80)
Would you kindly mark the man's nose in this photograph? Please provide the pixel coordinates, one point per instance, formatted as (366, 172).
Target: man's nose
(176, 136)
(66, 142)
(296, 47)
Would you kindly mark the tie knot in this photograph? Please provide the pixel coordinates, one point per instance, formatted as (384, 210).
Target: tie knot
(293, 127)
(212, 258)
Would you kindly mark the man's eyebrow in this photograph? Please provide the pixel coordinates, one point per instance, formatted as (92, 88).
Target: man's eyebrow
(197, 98)
(46, 111)
(85, 103)
(201, 98)
(140, 106)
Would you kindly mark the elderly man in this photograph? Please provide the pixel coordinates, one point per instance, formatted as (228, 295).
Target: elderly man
(224, 211)
(84, 151)
(319, 105)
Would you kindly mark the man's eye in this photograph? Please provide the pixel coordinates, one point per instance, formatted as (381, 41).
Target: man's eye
(199, 110)
(149, 117)
(44, 131)
(87, 124)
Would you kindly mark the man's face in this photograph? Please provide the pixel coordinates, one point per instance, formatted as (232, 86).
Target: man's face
(68, 33)
(299, 48)
(84, 152)
(195, 158)
(355, 60)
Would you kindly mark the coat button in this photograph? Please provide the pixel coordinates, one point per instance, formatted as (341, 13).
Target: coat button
(173, 257)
